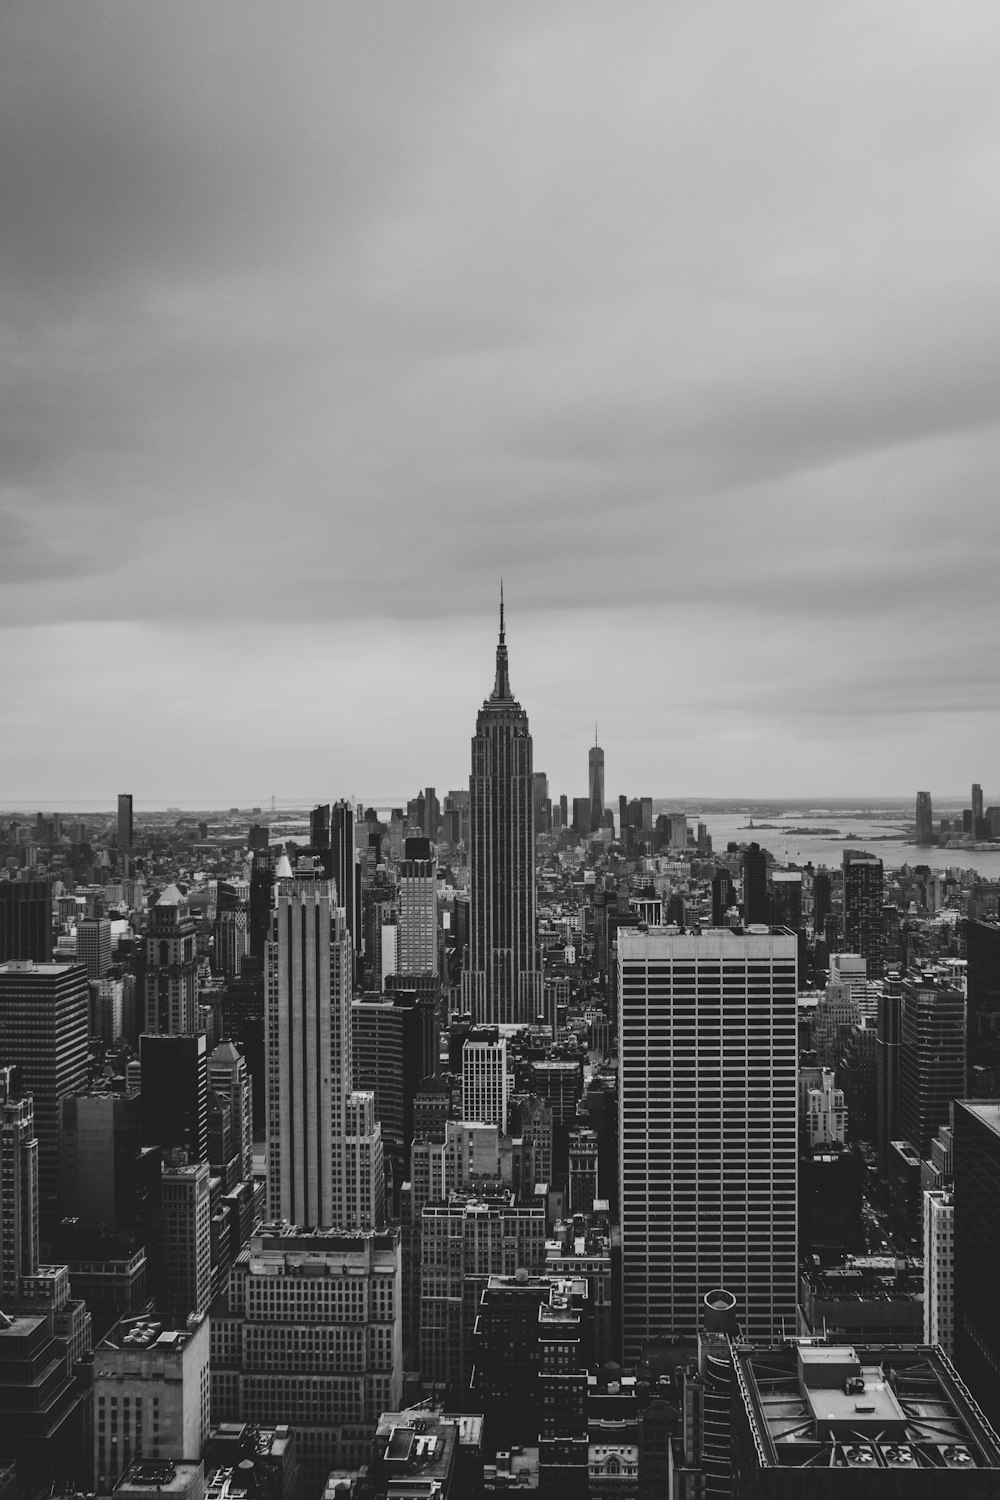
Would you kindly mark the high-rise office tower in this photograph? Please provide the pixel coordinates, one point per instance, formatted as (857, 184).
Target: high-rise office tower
(756, 906)
(541, 803)
(503, 983)
(315, 1175)
(887, 1127)
(232, 930)
(924, 819)
(319, 826)
(723, 897)
(184, 1251)
(100, 1135)
(229, 1079)
(864, 932)
(25, 920)
(486, 1082)
(982, 950)
(786, 899)
(18, 1186)
(978, 828)
(171, 982)
(417, 952)
(259, 913)
(708, 1128)
(931, 1058)
(44, 1018)
(977, 1234)
(175, 1093)
(822, 899)
(125, 831)
(939, 1269)
(345, 873)
(93, 946)
(595, 783)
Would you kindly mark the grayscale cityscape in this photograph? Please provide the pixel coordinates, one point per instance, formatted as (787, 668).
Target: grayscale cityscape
(594, 413)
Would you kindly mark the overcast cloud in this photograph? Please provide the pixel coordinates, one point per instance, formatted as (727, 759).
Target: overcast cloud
(316, 319)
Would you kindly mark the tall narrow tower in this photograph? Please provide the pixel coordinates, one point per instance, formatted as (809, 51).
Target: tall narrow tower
(595, 782)
(344, 862)
(125, 831)
(503, 983)
(324, 1147)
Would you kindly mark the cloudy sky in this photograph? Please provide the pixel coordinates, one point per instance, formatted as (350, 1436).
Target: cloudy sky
(316, 319)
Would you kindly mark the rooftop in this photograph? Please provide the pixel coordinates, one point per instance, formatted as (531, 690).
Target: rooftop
(816, 1405)
(986, 1110)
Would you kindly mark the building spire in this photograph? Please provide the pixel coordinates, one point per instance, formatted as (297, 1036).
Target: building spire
(501, 685)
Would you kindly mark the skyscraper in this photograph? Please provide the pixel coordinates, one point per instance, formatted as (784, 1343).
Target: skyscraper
(344, 872)
(319, 826)
(125, 833)
(931, 1058)
(486, 1081)
(418, 922)
(18, 1186)
(979, 829)
(503, 983)
(93, 946)
(863, 929)
(977, 1234)
(44, 1018)
(315, 1174)
(924, 818)
(171, 966)
(595, 783)
(25, 920)
(708, 1128)
(175, 1093)
(756, 905)
(982, 949)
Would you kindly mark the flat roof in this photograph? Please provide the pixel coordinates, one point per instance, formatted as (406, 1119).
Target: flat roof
(986, 1110)
(812, 1404)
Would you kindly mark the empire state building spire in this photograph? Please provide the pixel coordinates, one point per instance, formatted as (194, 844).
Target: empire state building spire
(503, 983)
(501, 684)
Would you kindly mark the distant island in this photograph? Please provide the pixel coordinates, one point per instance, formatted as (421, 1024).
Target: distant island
(782, 828)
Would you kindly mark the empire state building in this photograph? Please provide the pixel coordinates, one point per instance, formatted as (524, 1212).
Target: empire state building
(504, 983)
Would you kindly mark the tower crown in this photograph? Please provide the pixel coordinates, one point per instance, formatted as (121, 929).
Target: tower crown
(501, 683)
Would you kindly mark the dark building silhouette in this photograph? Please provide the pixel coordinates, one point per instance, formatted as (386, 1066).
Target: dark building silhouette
(924, 819)
(319, 826)
(887, 1074)
(723, 896)
(345, 872)
(125, 829)
(756, 905)
(864, 931)
(26, 920)
(175, 1093)
(822, 900)
(595, 782)
(261, 888)
(982, 949)
(976, 1161)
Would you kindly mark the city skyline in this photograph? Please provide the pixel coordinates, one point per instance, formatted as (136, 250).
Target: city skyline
(684, 326)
